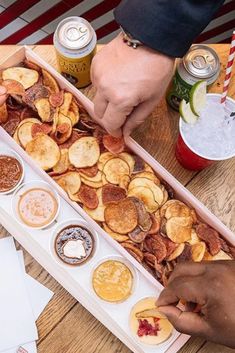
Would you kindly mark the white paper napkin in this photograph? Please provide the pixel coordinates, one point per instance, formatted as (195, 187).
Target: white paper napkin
(35, 297)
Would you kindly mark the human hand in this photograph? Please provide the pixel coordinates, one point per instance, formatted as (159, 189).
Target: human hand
(210, 285)
(3, 95)
(129, 82)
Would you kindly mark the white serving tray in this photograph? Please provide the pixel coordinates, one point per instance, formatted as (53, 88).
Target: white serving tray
(37, 242)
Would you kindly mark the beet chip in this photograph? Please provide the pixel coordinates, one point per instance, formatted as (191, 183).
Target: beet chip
(40, 129)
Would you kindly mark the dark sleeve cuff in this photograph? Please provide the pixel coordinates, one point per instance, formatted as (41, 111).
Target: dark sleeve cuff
(169, 27)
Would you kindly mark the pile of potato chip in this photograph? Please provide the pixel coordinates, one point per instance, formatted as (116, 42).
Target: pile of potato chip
(116, 188)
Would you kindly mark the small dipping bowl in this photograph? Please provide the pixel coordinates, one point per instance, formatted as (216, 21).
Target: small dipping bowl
(35, 186)
(80, 245)
(7, 152)
(165, 332)
(113, 281)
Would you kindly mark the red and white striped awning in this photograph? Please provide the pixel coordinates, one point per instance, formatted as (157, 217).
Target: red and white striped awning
(34, 21)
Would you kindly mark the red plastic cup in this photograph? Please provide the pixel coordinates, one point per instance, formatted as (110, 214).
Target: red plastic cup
(188, 157)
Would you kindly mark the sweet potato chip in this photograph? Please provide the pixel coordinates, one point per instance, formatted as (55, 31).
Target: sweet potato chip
(13, 87)
(90, 171)
(144, 182)
(88, 197)
(177, 252)
(63, 129)
(114, 169)
(144, 218)
(210, 237)
(43, 128)
(168, 204)
(26, 77)
(155, 225)
(63, 163)
(198, 251)
(30, 120)
(121, 217)
(3, 113)
(85, 152)
(116, 236)
(134, 251)
(25, 133)
(31, 65)
(64, 108)
(179, 229)
(146, 196)
(10, 126)
(194, 238)
(56, 99)
(112, 193)
(98, 213)
(113, 144)
(50, 82)
(45, 111)
(44, 151)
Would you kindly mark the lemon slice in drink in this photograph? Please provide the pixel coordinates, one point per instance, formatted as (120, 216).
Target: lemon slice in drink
(186, 113)
(197, 97)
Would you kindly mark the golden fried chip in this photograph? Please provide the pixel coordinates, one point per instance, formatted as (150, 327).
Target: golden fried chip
(124, 182)
(44, 151)
(194, 238)
(84, 152)
(50, 82)
(73, 112)
(144, 182)
(114, 169)
(177, 209)
(24, 132)
(44, 109)
(146, 195)
(63, 163)
(104, 157)
(13, 87)
(178, 229)
(198, 251)
(127, 157)
(148, 175)
(98, 213)
(177, 252)
(63, 129)
(26, 77)
(116, 236)
(64, 108)
(95, 179)
(121, 217)
(71, 181)
(95, 185)
(168, 204)
(29, 120)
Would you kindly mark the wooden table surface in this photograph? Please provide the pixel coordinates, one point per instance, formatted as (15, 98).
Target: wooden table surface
(65, 326)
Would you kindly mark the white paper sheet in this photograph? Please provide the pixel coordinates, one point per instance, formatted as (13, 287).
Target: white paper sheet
(17, 322)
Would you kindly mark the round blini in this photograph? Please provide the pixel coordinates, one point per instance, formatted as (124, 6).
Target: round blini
(84, 152)
(44, 151)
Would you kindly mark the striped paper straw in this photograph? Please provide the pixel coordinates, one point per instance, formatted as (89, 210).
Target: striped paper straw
(228, 69)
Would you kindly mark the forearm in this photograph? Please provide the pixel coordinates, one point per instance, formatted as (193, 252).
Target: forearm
(166, 25)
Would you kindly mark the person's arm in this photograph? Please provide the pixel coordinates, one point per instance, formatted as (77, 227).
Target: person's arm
(167, 26)
(130, 82)
(208, 288)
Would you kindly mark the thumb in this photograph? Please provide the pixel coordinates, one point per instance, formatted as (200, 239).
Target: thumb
(185, 322)
(139, 114)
